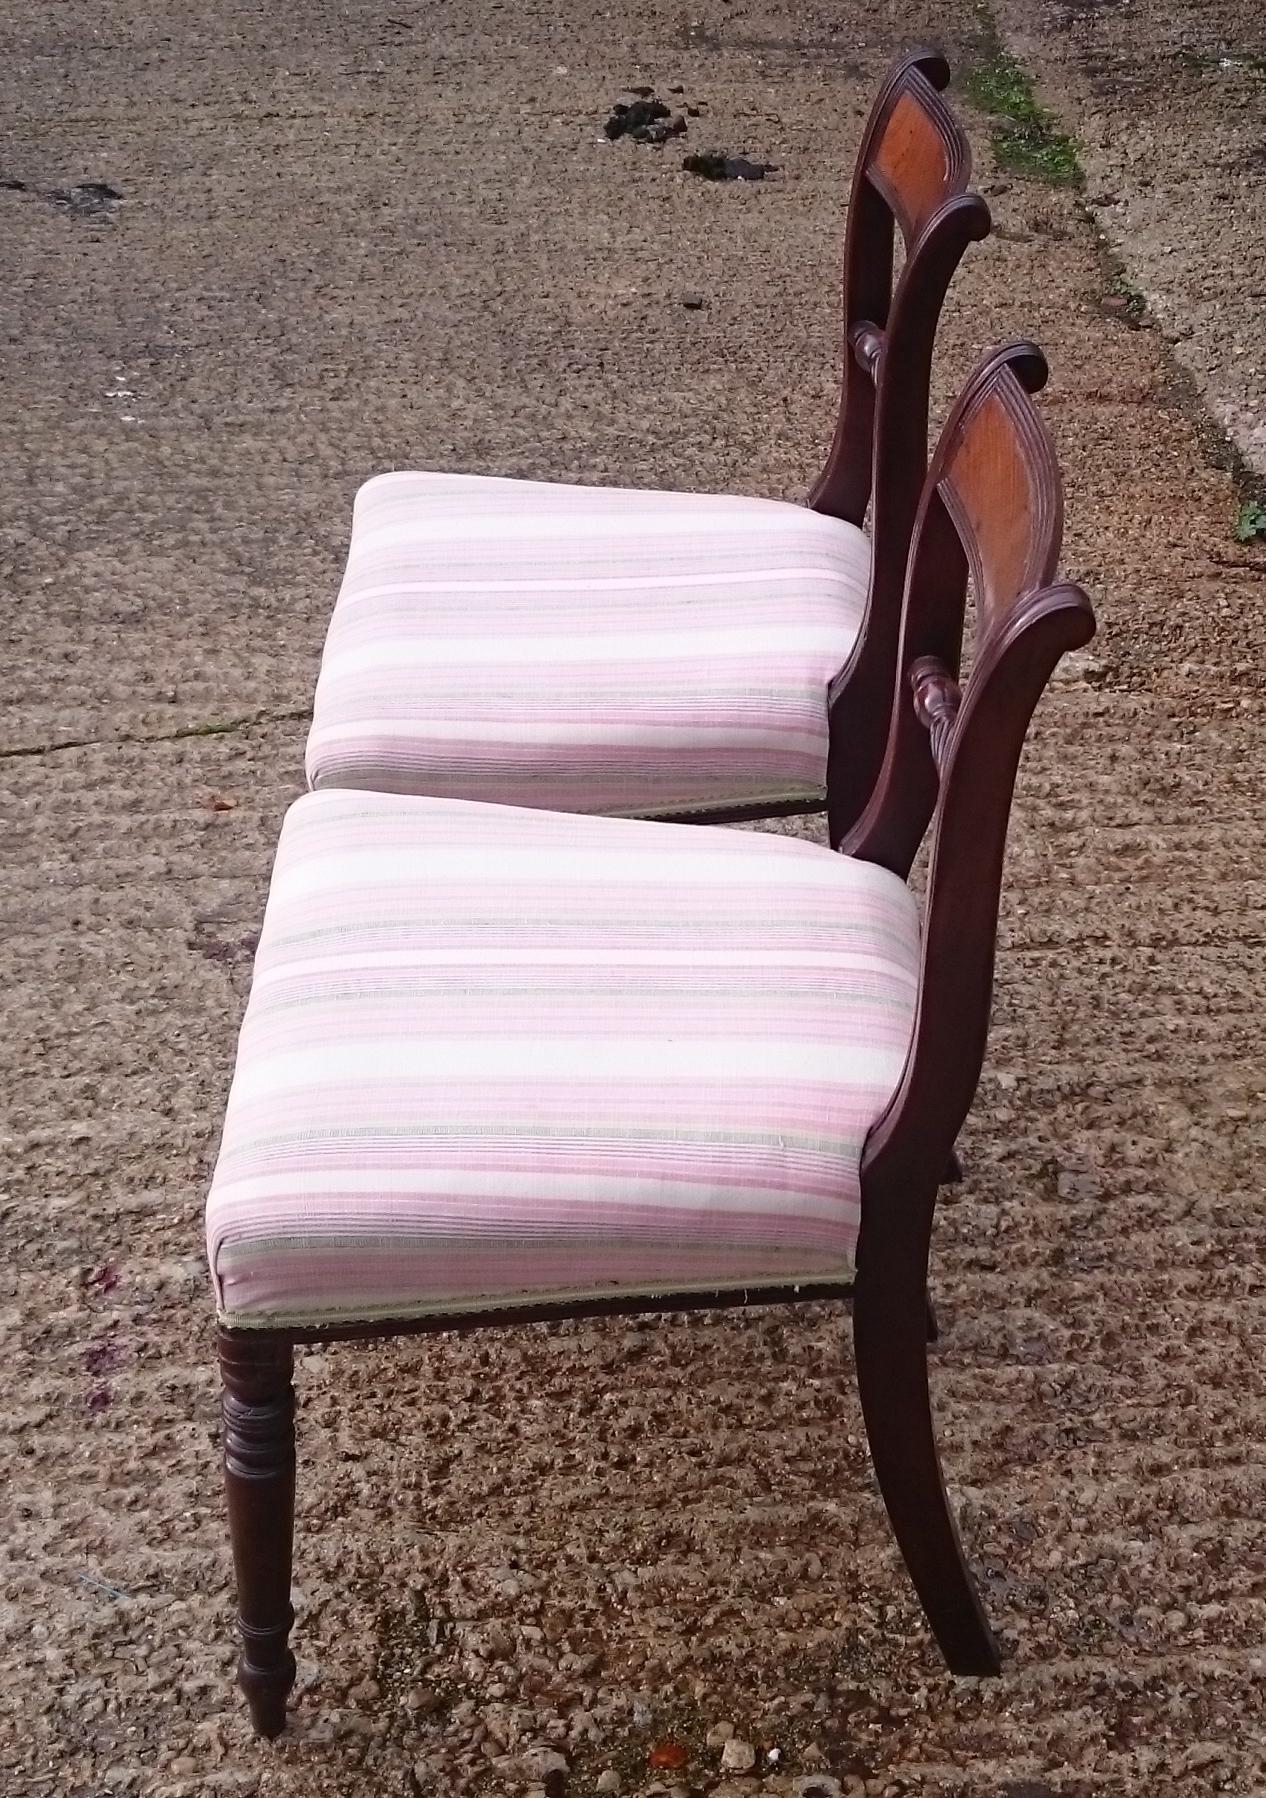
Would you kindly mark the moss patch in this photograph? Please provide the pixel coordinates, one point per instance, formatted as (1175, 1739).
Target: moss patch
(1124, 301)
(1026, 139)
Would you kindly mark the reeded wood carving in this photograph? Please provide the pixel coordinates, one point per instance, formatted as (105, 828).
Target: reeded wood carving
(937, 697)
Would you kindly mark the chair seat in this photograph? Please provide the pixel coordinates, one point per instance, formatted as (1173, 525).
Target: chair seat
(585, 649)
(498, 1056)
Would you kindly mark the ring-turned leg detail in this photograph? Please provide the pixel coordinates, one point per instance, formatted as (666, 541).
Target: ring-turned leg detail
(259, 1477)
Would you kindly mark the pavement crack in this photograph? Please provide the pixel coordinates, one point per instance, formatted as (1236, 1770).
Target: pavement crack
(221, 728)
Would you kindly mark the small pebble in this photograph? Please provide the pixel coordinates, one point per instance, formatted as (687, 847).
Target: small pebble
(540, 1763)
(738, 1756)
(423, 1701)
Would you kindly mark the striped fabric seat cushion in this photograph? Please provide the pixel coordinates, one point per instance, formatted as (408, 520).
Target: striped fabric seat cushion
(585, 649)
(495, 1056)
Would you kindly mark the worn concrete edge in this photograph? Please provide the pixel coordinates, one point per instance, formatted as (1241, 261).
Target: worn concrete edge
(1222, 441)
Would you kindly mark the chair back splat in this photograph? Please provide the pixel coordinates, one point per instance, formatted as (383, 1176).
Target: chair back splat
(911, 175)
(992, 507)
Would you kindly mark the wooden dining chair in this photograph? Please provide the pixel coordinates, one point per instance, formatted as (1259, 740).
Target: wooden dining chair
(638, 653)
(502, 1065)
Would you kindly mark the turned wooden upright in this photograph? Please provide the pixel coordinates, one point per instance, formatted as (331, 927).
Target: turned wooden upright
(259, 1475)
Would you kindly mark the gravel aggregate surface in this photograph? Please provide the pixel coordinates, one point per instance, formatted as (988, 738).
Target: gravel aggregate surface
(637, 1557)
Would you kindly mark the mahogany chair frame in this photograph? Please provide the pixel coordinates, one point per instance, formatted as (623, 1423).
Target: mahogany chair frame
(991, 506)
(911, 175)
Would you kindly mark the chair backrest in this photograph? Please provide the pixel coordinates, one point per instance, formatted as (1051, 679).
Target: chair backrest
(911, 176)
(991, 508)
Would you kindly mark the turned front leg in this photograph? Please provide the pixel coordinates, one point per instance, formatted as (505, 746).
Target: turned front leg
(259, 1477)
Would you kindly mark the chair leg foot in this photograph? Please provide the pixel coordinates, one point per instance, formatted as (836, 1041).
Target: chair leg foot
(266, 1690)
(890, 1322)
(259, 1478)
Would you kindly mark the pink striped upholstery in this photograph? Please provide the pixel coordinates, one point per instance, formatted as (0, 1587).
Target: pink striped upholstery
(585, 649)
(502, 1055)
